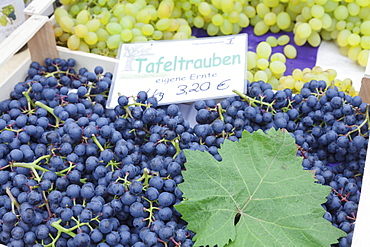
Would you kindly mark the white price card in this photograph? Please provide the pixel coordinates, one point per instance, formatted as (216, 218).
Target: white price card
(180, 71)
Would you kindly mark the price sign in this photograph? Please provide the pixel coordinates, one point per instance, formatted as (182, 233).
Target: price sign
(180, 71)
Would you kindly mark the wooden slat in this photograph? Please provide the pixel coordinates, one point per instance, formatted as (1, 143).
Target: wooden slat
(43, 44)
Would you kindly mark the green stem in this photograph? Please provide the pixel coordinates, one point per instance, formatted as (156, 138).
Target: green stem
(14, 201)
(97, 143)
(219, 110)
(50, 110)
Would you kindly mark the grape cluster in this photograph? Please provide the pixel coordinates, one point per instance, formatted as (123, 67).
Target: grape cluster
(331, 130)
(345, 22)
(73, 173)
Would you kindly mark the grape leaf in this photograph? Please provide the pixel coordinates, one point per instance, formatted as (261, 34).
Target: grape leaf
(258, 195)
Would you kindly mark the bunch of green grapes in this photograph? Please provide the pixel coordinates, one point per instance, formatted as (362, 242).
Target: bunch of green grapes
(8, 15)
(100, 27)
(346, 22)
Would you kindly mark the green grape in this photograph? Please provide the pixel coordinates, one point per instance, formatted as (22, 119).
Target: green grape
(227, 6)
(365, 42)
(362, 3)
(306, 12)
(74, 10)
(217, 19)
(157, 35)
(316, 24)
(254, 20)
(317, 11)
(180, 35)
(73, 42)
(144, 16)
(314, 39)
(113, 28)
(270, 18)
(341, 12)
(147, 29)
(341, 25)
(174, 25)
(236, 28)
(102, 34)
(119, 10)
(188, 14)
(4, 21)
(342, 38)
(216, 3)
(165, 8)
(91, 38)
(354, 39)
(58, 13)
(260, 28)
(363, 57)
(272, 41)
(274, 29)
(238, 6)
(326, 21)
(126, 35)
(283, 39)
(263, 50)
(65, 2)
(95, 10)
(290, 51)
(277, 67)
(271, 3)
(303, 30)
(260, 76)
(249, 76)
(136, 32)
(66, 23)
(101, 45)
(58, 31)
(198, 21)
(262, 63)
(262, 10)
(185, 28)
(104, 17)
(93, 25)
(233, 17)
(277, 56)
(102, 2)
(114, 41)
(353, 52)
(80, 30)
(365, 28)
(167, 35)
(64, 37)
(364, 13)
(226, 27)
(251, 60)
(325, 35)
(353, 9)
(131, 9)
(204, 8)
(298, 41)
(250, 11)
(111, 3)
(243, 20)
(283, 20)
(127, 21)
(350, 26)
(83, 17)
(274, 82)
(83, 47)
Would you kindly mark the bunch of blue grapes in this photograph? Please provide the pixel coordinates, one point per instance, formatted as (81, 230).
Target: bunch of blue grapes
(331, 130)
(73, 173)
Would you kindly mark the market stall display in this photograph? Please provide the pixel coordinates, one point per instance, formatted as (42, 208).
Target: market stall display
(329, 126)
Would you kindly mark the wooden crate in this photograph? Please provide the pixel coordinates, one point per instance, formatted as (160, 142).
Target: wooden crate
(37, 33)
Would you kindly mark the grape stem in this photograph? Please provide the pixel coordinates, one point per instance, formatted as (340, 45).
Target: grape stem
(14, 201)
(253, 101)
(50, 110)
(96, 141)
